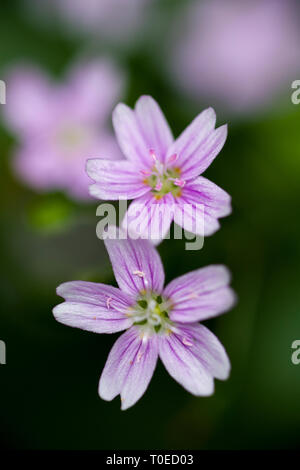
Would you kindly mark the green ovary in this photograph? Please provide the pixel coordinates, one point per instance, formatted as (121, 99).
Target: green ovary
(167, 184)
(151, 312)
(71, 137)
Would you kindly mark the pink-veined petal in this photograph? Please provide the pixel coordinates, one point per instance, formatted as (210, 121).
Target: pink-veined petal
(93, 307)
(129, 367)
(209, 350)
(192, 138)
(153, 124)
(130, 138)
(200, 206)
(193, 356)
(142, 130)
(115, 180)
(200, 159)
(180, 357)
(136, 263)
(150, 218)
(200, 294)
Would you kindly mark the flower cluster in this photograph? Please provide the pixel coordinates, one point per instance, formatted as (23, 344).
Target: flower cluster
(160, 321)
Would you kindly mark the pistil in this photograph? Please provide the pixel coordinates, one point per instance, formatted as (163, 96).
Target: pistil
(163, 179)
(151, 313)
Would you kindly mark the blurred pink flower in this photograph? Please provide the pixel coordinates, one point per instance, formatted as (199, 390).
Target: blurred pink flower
(60, 125)
(110, 18)
(238, 53)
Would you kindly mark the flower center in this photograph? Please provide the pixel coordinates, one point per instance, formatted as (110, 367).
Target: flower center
(163, 179)
(72, 136)
(151, 313)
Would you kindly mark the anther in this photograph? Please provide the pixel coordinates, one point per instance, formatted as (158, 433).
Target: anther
(187, 342)
(139, 357)
(158, 186)
(193, 295)
(153, 155)
(179, 182)
(139, 273)
(172, 158)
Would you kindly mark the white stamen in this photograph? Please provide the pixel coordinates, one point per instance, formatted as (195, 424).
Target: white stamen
(142, 275)
(154, 319)
(172, 158)
(178, 182)
(152, 155)
(138, 318)
(139, 273)
(193, 295)
(158, 186)
(139, 357)
(157, 164)
(187, 342)
(108, 302)
(189, 296)
(152, 305)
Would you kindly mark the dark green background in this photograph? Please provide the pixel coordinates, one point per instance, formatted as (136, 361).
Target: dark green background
(48, 388)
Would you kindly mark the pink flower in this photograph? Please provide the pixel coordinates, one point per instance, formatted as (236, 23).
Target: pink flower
(241, 54)
(60, 125)
(113, 19)
(162, 174)
(160, 322)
